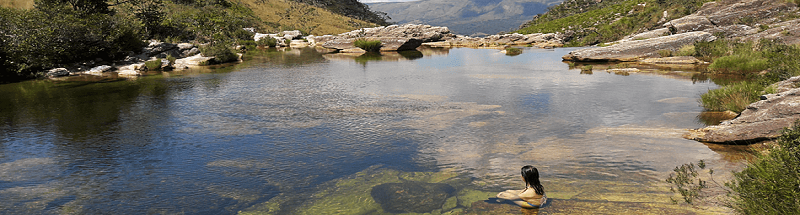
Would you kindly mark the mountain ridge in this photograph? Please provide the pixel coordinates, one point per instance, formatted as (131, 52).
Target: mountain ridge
(468, 17)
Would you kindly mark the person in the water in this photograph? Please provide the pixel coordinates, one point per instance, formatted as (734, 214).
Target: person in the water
(532, 196)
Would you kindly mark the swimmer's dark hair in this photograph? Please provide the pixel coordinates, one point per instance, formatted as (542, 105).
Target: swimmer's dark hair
(531, 176)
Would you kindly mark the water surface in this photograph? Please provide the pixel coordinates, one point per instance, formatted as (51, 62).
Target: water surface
(275, 133)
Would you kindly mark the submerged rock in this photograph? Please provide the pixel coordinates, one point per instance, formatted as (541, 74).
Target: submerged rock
(411, 196)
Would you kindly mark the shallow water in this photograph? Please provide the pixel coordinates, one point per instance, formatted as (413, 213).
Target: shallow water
(276, 133)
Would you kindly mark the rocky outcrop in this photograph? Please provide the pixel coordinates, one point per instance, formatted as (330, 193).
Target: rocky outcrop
(540, 40)
(638, 49)
(762, 120)
(387, 43)
(740, 19)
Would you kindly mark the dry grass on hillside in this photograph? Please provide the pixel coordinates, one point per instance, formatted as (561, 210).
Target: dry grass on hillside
(287, 15)
(277, 15)
(24, 4)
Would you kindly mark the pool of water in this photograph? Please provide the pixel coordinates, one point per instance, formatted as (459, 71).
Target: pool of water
(295, 131)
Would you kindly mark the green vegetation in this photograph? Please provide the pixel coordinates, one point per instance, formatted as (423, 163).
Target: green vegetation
(221, 51)
(734, 97)
(759, 64)
(610, 20)
(687, 50)
(683, 181)
(153, 65)
(368, 45)
(267, 42)
(665, 53)
(771, 183)
(511, 51)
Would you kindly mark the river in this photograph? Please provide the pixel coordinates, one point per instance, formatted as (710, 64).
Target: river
(299, 132)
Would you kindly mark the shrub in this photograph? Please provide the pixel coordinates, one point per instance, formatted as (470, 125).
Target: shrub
(153, 65)
(771, 183)
(171, 60)
(221, 52)
(687, 50)
(368, 45)
(665, 53)
(587, 68)
(734, 97)
(511, 51)
(267, 42)
(35, 38)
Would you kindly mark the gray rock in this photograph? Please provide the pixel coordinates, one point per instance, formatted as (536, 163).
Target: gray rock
(100, 69)
(388, 43)
(762, 120)
(57, 72)
(190, 52)
(672, 60)
(290, 35)
(185, 46)
(651, 34)
(688, 24)
(635, 50)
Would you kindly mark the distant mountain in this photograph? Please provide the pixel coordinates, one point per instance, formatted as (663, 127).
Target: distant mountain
(468, 17)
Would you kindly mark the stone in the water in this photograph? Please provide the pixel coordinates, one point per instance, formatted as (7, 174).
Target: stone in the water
(415, 197)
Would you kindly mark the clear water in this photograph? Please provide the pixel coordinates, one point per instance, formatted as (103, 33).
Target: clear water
(283, 124)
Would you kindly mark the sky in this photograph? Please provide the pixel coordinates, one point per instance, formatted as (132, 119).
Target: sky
(376, 1)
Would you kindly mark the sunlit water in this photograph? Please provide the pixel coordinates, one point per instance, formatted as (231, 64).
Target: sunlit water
(281, 127)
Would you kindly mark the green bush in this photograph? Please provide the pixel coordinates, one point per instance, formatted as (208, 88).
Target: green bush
(267, 42)
(734, 97)
(368, 45)
(221, 51)
(153, 65)
(511, 51)
(771, 183)
(687, 50)
(35, 39)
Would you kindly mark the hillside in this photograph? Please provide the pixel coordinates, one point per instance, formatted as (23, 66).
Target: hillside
(280, 15)
(324, 17)
(603, 21)
(467, 17)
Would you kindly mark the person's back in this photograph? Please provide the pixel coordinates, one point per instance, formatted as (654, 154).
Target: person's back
(532, 196)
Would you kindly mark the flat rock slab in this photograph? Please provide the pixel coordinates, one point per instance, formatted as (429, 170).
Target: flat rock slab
(761, 121)
(638, 49)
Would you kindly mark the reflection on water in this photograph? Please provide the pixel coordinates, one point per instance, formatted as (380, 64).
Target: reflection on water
(298, 131)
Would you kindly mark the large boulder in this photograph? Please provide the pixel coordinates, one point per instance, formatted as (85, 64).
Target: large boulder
(761, 121)
(689, 23)
(638, 49)
(57, 72)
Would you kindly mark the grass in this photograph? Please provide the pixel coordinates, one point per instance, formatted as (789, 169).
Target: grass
(368, 45)
(20, 4)
(279, 15)
(511, 51)
(742, 63)
(771, 183)
(734, 97)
